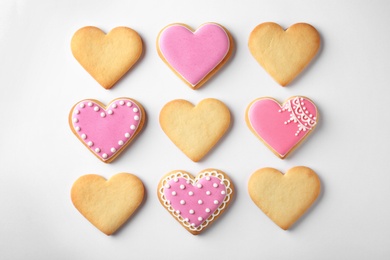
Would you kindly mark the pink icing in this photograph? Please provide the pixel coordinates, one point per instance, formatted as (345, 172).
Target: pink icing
(282, 127)
(194, 201)
(194, 54)
(106, 131)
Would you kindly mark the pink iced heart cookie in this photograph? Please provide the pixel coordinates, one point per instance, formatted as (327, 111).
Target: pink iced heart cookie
(195, 56)
(195, 202)
(282, 127)
(106, 131)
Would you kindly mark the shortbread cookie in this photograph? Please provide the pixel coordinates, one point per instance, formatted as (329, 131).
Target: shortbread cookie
(195, 56)
(282, 127)
(195, 129)
(107, 204)
(107, 57)
(195, 202)
(284, 198)
(284, 53)
(107, 131)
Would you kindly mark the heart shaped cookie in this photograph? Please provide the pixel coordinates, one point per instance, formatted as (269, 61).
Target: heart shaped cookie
(284, 198)
(106, 57)
(195, 202)
(195, 129)
(195, 56)
(282, 127)
(107, 204)
(284, 53)
(107, 131)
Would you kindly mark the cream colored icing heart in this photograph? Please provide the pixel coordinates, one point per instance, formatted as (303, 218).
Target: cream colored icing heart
(107, 204)
(284, 53)
(195, 129)
(284, 198)
(106, 57)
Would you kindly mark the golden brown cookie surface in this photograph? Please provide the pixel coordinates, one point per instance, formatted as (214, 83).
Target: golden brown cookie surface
(107, 204)
(284, 198)
(195, 129)
(106, 57)
(284, 53)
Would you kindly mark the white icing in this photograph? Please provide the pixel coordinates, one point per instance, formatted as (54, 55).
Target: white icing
(298, 115)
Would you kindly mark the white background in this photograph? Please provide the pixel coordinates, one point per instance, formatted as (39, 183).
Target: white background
(40, 158)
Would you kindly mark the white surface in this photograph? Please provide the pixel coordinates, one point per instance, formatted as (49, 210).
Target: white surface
(41, 158)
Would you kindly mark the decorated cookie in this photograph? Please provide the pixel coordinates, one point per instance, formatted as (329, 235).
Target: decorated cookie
(195, 56)
(282, 127)
(284, 198)
(107, 204)
(284, 53)
(107, 57)
(195, 202)
(107, 130)
(195, 129)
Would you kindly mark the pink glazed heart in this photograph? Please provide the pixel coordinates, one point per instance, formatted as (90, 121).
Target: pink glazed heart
(196, 202)
(194, 56)
(282, 127)
(106, 131)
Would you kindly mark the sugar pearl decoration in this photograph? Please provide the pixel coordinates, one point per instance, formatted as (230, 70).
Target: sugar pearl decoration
(97, 150)
(200, 218)
(96, 109)
(84, 136)
(207, 210)
(103, 114)
(200, 202)
(121, 102)
(132, 127)
(199, 185)
(90, 143)
(174, 193)
(135, 110)
(182, 202)
(182, 187)
(127, 135)
(216, 202)
(109, 112)
(120, 142)
(104, 156)
(215, 185)
(190, 193)
(113, 150)
(129, 104)
(192, 211)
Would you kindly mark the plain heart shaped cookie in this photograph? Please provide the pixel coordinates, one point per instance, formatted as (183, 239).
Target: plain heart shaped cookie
(195, 56)
(282, 127)
(107, 131)
(284, 53)
(284, 198)
(107, 204)
(106, 57)
(195, 129)
(195, 202)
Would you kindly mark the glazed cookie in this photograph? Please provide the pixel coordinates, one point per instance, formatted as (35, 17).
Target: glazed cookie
(195, 129)
(284, 198)
(195, 202)
(107, 204)
(282, 127)
(106, 57)
(284, 53)
(107, 131)
(195, 56)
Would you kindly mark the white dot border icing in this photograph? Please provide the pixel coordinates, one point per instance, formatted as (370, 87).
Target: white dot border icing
(114, 104)
(192, 181)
